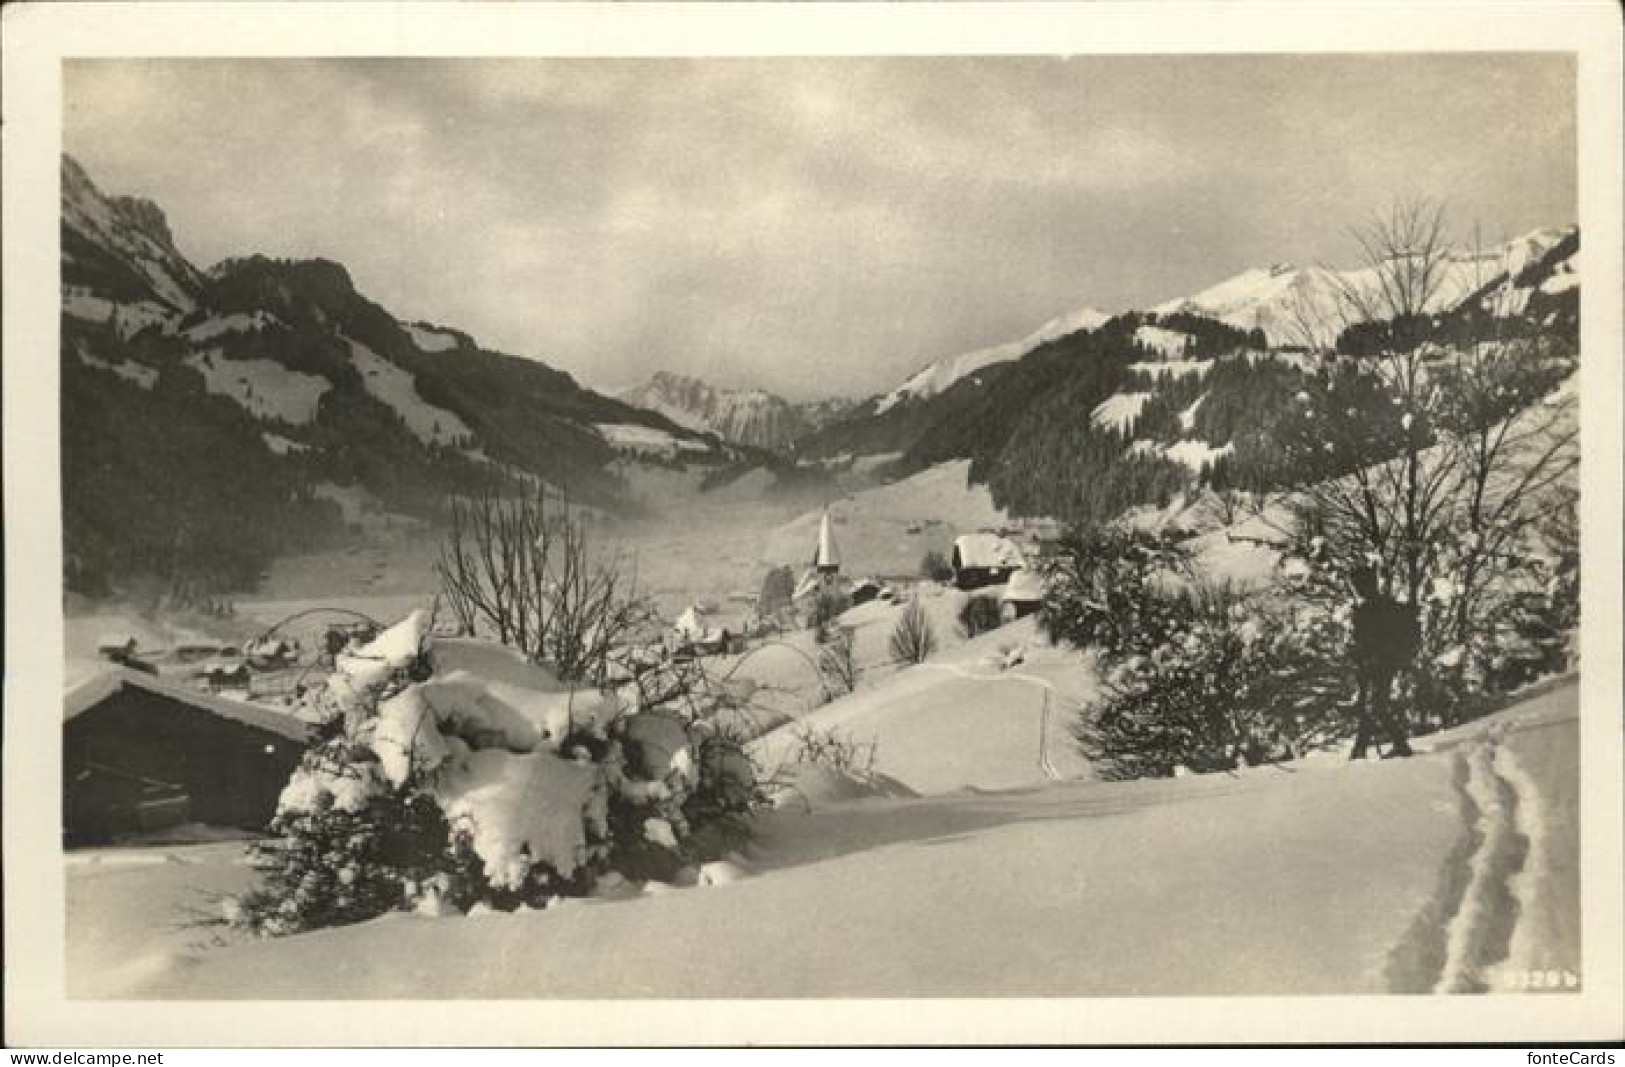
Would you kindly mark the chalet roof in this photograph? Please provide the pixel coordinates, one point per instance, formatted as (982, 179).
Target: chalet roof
(1025, 587)
(689, 625)
(94, 691)
(986, 550)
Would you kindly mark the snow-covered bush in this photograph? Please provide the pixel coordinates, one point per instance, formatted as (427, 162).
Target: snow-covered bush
(837, 664)
(1193, 675)
(828, 606)
(443, 789)
(912, 639)
(778, 588)
(1114, 590)
(1232, 683)
(980, 615)
(346, 860)
(934, 566)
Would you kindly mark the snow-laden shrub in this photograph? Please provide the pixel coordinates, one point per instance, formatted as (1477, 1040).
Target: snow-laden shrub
(912, 639)
(443, 790)
(837, 664)
(1193, 675)
(828, 606)
(1118, 591)
(934, 566)
(778, 588)
(1234, 684)
(980, 615)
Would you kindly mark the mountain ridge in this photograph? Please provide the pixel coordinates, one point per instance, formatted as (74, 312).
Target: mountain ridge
(208, 416)
(753, 417)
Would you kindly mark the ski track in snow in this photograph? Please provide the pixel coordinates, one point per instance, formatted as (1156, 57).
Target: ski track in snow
(1528, 885)
(1481, 929)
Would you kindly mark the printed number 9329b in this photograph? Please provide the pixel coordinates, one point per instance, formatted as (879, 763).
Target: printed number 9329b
(1533, 980)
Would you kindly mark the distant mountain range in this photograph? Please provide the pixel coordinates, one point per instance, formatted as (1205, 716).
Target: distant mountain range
(1531, 282)
(750, 417)
(1298, 306)
(209, 417)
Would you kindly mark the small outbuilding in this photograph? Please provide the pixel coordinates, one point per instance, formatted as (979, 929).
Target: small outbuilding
(116, 646)
(1023, 596)
(983, 559)
(871, 589)
(140, 753)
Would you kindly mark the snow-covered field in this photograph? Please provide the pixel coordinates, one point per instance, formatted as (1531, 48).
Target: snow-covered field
(1118, 411)
(1316, 878)
(397, 388)
(1173, 368)
(429, 339)
(873, 525)
(1171, 344)
(639, 438)
(142, 375)
(237, 322)
(264, 388)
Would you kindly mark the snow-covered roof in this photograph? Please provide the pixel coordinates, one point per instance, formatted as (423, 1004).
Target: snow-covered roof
(688, 624)
(94, 691)
(986, 550)
(1025, 586)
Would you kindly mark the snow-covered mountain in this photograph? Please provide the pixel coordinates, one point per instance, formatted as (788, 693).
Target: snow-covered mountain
(937, 377)
(230, 403)
(751, 417)
(120, 265)
(942, 390)
(745, 416)
(1297, 306)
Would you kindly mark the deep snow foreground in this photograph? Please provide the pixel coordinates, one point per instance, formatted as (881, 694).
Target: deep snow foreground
(1453, 871)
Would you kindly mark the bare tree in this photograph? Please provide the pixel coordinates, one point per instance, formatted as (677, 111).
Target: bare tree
(1432, 461)
(1405, 256)
(531, 575)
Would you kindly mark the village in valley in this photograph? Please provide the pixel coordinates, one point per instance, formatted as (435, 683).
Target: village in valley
(402, 665)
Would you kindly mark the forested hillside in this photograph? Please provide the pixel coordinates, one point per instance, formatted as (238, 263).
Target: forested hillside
(205, 415)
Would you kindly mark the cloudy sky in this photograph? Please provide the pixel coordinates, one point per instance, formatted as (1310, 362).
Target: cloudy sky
(813, 227)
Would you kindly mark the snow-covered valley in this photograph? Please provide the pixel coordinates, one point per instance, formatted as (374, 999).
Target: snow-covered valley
(850, 608)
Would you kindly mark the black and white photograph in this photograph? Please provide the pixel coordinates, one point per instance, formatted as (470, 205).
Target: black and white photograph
(683, 524)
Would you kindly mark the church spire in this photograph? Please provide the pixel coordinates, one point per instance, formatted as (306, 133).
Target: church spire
(828, 558)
